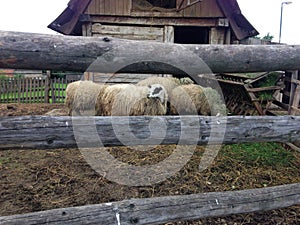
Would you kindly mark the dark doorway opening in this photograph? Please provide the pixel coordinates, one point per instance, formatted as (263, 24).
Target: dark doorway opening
(191, 35)
(168, 4)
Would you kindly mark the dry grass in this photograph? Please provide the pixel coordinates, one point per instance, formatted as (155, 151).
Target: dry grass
(35, 180)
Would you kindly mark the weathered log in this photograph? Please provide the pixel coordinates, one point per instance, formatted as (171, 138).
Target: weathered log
(56, 52)
(44, 132)
(166, 209)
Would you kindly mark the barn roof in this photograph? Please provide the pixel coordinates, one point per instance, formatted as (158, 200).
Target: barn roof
(69, 21)
(241, 27)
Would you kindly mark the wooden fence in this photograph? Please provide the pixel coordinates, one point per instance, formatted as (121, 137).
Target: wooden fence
(33, 90)
(52, 132)
(41, 132)
(161, 210)
(291, 94)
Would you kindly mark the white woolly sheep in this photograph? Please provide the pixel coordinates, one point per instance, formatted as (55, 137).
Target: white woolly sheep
(81, 97)
(70, 93)
(169, 83)
(185, 80)
(193, 99)
(217, 105)
(132, 100)
(106, 99)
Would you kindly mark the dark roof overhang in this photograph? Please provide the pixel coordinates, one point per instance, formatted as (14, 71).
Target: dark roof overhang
(241, 27)
(68, 22)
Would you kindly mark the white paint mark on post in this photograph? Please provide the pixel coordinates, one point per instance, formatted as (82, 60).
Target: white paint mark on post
(118, 215)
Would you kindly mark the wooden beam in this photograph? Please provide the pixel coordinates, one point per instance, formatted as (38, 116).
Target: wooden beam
(296, 100)
(280, 104)
(109, 55)
(161, 210)
(295, 81)
(42, 132)
(270, 88)
(294, 94)
(255, 103)
(154, 21)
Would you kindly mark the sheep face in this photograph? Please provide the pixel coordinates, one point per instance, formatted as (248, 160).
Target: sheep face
(157, 91)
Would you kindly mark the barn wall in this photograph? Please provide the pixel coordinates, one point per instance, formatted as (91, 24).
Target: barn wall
(204, 9)
(109, 7)
(123, 19)
(218, 35)
(129, 32)
(186, 34)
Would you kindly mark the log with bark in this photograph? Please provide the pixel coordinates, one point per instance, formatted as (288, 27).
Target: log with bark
(161, 210)
(43, 132)
(109, 55)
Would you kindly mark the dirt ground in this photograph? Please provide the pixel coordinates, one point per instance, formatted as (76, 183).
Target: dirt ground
(36, 180)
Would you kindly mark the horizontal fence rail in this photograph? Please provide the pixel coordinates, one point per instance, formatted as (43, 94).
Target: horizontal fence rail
(166, 209)
(45, 132)
(54, 52)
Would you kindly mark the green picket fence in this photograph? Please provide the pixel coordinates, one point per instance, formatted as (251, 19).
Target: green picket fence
(33, 90)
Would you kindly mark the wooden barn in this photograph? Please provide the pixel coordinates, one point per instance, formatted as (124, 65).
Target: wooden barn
(175, 21)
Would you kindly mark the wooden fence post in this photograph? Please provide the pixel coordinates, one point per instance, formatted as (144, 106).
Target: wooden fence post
(47, 86)
(294, 93)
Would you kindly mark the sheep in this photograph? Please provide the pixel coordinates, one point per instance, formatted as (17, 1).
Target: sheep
(132, 100)
(193, 99)
(70, 93)
(106, 99)
(169, 83)
(185, 80)
(217, 105)
(81, 97)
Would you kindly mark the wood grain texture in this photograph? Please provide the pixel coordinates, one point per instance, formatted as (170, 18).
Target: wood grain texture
(55, 52)
(129, 32)
(44, 132)
(166, 209)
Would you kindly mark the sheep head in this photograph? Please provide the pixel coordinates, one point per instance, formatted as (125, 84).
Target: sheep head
(157, 91)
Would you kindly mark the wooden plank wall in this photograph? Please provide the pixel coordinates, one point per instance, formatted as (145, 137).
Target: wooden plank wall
(103, 78)
(109, 7)
(205, 9)
(129, 32)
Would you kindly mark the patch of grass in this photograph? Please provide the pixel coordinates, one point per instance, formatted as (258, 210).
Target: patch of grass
(3, 77)
(265, 96)
(268, 81)
(259, 154)
(60, 93)
(4, 160)
(38, 96)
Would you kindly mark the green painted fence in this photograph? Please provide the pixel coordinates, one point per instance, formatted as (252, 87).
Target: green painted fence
(33, 90)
